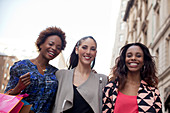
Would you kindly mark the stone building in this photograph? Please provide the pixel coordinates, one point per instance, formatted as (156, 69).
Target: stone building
(148, 22)
(5, 63)
(120, 32)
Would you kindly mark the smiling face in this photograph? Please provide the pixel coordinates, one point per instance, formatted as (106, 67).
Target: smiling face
(134, 58)
(51, 47)
(86, 51)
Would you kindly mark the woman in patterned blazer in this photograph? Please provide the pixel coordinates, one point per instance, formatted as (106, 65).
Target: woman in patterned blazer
(133, 88)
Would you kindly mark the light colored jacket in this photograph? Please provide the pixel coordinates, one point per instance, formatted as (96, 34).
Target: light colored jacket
(90, 90)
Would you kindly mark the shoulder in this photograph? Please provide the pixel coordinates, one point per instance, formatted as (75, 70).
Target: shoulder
(110, 89)
(52, 68)
(21, 67)
(21, 64)
(62, 73)
(149, 88)
(111, 84)
(26, 61)
(101, 76)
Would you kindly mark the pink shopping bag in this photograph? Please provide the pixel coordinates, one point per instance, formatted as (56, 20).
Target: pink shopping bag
(10, 103)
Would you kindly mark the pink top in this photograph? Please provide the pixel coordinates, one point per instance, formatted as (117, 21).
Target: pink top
(126, 104)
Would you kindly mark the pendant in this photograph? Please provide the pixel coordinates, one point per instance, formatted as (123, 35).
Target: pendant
(44, 70)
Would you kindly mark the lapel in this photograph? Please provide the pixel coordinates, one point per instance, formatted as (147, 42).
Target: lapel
(145, 97)
(89, 89)
(115, 91)
(69, 94)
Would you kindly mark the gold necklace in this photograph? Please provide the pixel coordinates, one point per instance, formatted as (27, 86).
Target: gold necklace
(40, 66)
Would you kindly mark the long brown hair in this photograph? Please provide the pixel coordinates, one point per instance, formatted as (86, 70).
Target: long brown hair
(148, 71)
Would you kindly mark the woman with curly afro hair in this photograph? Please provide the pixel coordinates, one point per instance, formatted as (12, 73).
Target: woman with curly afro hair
(36, 77)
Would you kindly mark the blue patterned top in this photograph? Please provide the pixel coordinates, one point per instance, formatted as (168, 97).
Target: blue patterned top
(42, 89)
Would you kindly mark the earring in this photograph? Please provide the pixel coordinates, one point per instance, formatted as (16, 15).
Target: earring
(124, 67)
(143, 68)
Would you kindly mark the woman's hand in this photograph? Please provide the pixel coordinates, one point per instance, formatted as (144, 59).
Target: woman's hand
(24, 81)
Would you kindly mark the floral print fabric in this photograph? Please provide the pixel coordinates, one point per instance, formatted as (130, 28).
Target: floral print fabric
(42, 89)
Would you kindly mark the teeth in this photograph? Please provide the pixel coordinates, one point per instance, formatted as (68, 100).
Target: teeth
(133, 64)
(51, 53)
(87, 57)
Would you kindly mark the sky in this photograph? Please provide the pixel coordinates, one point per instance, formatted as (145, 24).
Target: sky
(22, 20)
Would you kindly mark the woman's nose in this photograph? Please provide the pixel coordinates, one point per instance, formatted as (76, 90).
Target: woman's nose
(54, 48)
(88, 51)
(133, 57)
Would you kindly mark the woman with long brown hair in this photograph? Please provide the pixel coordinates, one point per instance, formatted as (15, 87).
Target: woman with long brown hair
(133, 88)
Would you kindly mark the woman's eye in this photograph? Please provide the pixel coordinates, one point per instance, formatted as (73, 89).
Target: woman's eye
(50, 44)
(138, 55)
(129, 55)
(93, 49)
(58, 48)
(84, 47)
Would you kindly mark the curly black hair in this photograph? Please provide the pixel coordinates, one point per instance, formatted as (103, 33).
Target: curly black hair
(49, 32)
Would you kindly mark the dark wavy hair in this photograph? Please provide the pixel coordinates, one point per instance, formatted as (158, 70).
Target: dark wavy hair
(148, 71)
(49, 32)
(74, 57)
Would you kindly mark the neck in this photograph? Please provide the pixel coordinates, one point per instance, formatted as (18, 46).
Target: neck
(84, 70)
(133, 77)
(42, 61)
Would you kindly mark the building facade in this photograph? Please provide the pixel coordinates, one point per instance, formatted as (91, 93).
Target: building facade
(120, 32)
(5, 63)
(148, 22)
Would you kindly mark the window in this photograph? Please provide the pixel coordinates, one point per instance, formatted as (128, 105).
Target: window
(146, 7)
(3, 86)
(4, 58)
(122, 26)
(157, 60)
(124, 3)
(122, 14)
(157, 16)
(121, 37)
(119, 49)
(13, 60)
(7, 65)
(5, 75)
(8, 77)
(10, 67)
(168, 50)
